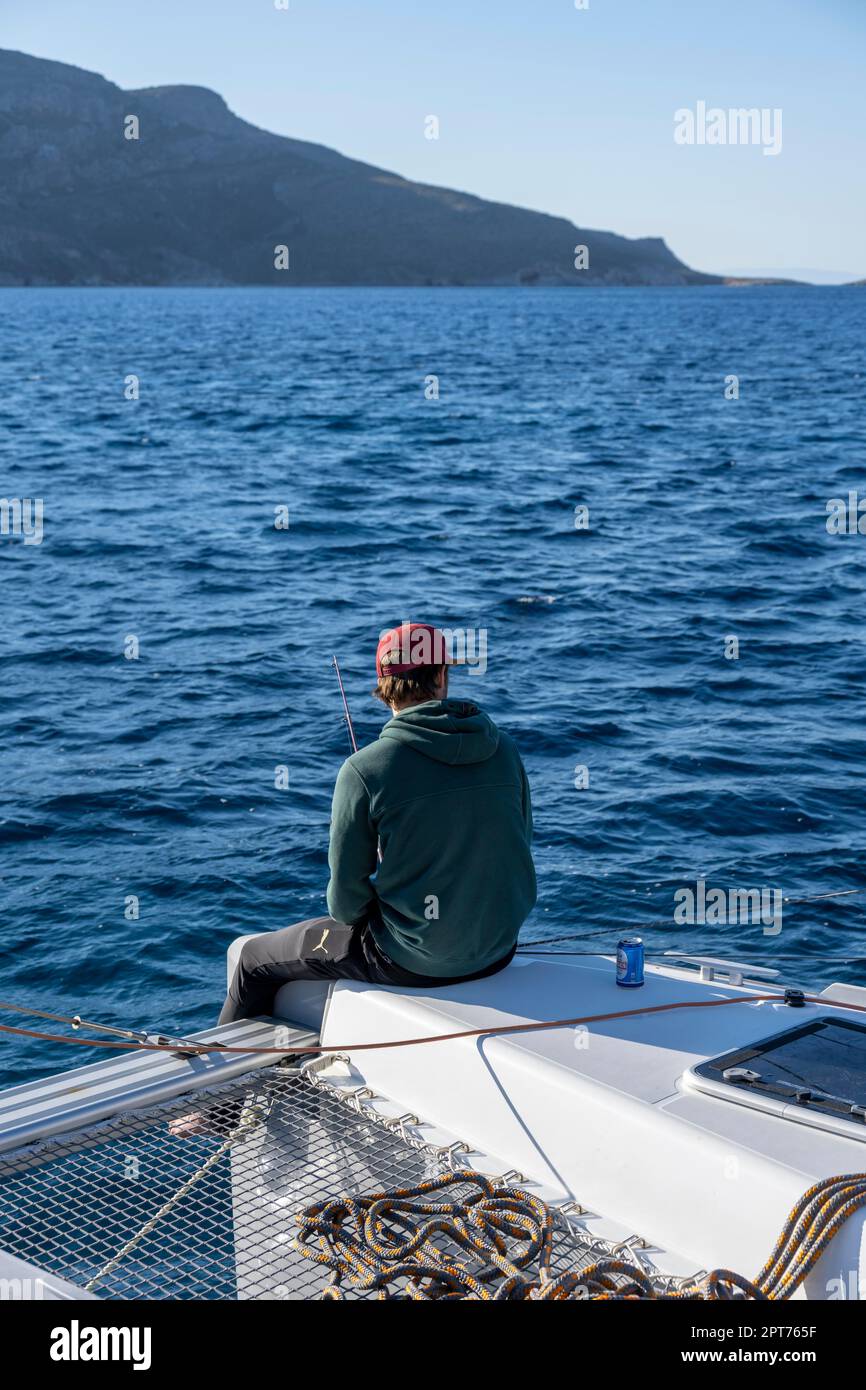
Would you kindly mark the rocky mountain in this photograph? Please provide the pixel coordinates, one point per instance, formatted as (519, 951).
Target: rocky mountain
(202, 197)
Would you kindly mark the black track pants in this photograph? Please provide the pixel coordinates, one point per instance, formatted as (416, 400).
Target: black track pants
(319, 949)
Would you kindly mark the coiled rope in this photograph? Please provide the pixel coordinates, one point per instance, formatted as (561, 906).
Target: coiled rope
(389, 1243)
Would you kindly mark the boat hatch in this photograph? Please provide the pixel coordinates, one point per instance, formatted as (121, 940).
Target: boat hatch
(126, 1210)
(815, 1073)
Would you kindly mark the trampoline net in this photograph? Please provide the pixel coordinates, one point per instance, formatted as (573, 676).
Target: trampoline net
(131, 1210)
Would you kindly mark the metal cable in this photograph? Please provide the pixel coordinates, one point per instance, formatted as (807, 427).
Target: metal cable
(536, 1025)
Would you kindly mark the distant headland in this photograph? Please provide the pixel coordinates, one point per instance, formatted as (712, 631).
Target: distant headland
(166, 186)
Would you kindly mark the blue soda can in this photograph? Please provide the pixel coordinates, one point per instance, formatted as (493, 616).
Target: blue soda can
(629, 962)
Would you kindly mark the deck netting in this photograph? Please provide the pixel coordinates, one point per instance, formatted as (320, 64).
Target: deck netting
(131, 1210)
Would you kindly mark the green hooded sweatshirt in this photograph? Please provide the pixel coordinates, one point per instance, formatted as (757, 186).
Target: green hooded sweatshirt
(444, 793)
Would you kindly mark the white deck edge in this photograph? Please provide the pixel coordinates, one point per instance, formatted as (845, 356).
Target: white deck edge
(21, 1281)
(39, 1110)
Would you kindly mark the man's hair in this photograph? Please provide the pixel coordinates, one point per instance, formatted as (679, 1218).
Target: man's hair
(412, 689)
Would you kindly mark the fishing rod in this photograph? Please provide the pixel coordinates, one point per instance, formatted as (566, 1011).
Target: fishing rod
(350, 726)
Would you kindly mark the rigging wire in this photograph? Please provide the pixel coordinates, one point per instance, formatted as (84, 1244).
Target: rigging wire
(670, 923)
(533, 1026)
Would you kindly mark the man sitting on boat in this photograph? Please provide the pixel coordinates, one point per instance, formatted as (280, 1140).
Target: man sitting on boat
(431, 867)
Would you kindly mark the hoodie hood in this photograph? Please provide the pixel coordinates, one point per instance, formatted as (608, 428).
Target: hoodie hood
(449, 731)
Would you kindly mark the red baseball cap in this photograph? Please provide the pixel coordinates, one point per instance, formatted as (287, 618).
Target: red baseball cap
(406, 648)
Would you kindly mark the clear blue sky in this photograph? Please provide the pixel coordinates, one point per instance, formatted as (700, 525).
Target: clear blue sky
(540, 104)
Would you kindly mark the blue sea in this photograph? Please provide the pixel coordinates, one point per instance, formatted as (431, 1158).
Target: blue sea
(146, 783)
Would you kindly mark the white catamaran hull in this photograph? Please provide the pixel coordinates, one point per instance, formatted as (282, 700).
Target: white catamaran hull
(622, 1124)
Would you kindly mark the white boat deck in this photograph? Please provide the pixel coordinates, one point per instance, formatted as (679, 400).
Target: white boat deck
(608, 1115)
